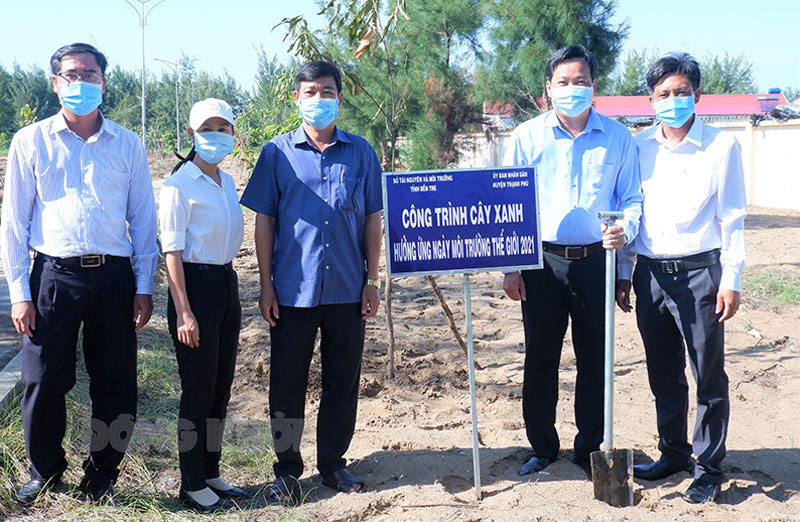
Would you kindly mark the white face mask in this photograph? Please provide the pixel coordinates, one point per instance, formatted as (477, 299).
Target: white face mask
(319, 112)
(213, 146)
(571, 100)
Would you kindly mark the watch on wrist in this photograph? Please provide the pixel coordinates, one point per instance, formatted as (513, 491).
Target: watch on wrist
(374, 282)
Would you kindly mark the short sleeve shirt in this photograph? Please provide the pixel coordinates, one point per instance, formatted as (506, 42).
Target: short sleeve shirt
(319, 201)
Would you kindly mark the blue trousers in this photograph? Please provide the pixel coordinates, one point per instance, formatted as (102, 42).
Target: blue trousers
(676, 317)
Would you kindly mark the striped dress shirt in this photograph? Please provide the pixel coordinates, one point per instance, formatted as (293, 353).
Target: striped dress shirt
(66, 196)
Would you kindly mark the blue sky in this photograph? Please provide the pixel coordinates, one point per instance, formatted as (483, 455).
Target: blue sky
(224, 35)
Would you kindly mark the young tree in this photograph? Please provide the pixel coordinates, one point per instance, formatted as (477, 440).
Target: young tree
(270, 110)
(525, 32)
(397, 58)
(384, 76)
(441, 29)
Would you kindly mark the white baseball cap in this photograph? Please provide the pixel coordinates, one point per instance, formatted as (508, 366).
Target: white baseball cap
(209, 108)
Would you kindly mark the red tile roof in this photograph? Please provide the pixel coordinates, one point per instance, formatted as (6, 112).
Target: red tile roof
(709, 104)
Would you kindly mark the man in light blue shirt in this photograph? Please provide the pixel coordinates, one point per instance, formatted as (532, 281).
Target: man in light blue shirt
(78, 194)
(585, 163)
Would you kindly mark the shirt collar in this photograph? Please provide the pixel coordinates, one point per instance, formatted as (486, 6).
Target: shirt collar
(299, 136)
(60, 124)
(694, 136)
(593, 123)
(195, 172)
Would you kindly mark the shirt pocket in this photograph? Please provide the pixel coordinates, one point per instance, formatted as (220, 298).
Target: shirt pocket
(599, 183)
(693, 193)
(50, 183)
(110, 182)
(350, 192)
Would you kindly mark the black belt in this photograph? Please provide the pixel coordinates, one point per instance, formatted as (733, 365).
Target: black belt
(204, 267)
(572, 252)
(682, 264)
(87, 261)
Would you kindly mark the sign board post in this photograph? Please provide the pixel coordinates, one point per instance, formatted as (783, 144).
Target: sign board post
(462, 221)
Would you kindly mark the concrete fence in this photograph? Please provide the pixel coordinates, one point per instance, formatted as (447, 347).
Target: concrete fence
(770, 156)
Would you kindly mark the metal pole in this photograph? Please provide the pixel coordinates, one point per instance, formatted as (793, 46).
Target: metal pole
(476, 461)
(177, 114)
(143, 21)
(608, 398)
(611, 284)
(176, 65)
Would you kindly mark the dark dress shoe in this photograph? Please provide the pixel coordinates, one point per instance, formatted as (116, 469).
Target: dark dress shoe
(98, 491)
(233, 493)
(28, 493)
(701, 491)
(535, 464)
(658, 470)
(219, 505)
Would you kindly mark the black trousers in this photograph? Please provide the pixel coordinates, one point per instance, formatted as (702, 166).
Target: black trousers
(341, 346)
(672, 309)
(100, 298)
(206, 371)
(563, 289)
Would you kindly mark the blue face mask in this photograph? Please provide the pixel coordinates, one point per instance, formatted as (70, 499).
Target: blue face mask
(675, 110)
(319, 112)
(81, 98)
(213, 146)
(571, 100)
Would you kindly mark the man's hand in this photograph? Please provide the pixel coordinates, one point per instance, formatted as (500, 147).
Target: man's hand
(268, 303)
(514, 286)
(142, 309)
(23, 314)
(624, 295)
(613, 237)
(370, 300)
(727, 303)
(188, 330)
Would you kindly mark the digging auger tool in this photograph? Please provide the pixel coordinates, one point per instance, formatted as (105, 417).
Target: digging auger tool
(612, 469)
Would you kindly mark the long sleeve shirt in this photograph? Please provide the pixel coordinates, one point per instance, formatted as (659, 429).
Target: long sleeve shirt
(579, 177)
(694, 200)
(66, 196)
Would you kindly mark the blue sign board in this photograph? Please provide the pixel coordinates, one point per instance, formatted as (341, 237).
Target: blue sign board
(461, 221)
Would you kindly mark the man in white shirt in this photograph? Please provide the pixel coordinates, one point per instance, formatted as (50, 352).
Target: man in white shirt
(689, 256)
(78, 194)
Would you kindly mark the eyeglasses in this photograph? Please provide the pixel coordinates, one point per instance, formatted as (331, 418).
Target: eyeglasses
(91, 77)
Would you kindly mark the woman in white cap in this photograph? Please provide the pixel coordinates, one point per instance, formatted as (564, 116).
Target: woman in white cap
(201, 232)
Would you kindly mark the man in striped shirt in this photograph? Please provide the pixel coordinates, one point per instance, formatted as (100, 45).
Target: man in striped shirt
(79, 197)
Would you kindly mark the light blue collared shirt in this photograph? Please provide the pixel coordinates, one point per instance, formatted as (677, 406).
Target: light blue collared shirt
(319, 201)
(66, 196)
(578, 177)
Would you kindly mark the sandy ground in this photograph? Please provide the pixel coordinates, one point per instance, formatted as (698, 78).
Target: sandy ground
(413, 438)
